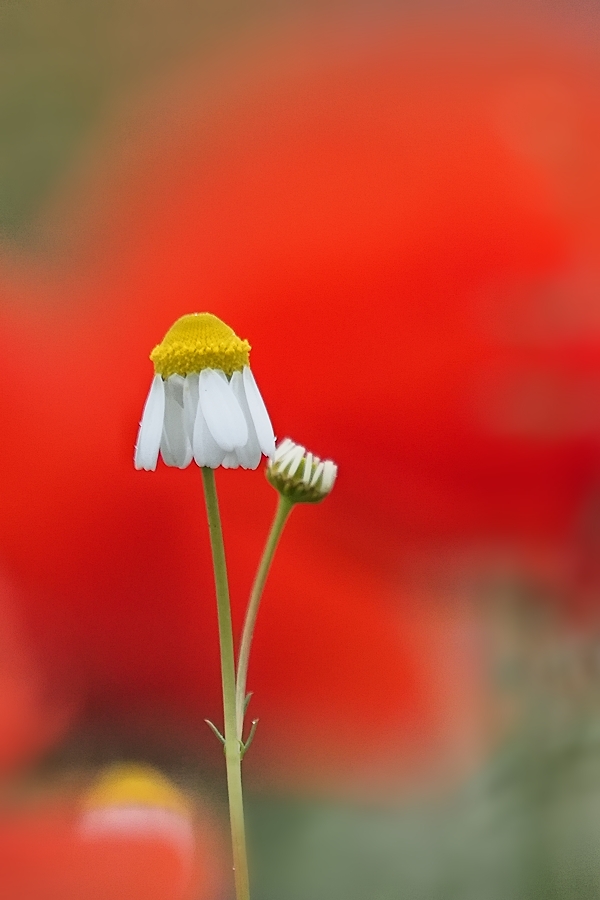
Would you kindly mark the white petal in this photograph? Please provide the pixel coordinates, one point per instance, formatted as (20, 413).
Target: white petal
(230, 460)
(148, 442)
(175, 446)
(221, 411)
(206, 450)
(175, 385)
(190, 403)
(260, 416)
(296, 459)
(317, 474)
(168, 458)
(249, 454)
(329, 475)
(284, 460)
(307, 468)
(282, 448)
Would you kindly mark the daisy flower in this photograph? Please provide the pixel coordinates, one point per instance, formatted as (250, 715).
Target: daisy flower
(203, 404)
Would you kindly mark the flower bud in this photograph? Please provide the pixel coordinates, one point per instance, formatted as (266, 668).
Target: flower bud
(298, 475)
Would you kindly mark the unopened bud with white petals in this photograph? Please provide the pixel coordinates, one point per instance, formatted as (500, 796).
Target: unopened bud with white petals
(299, 475)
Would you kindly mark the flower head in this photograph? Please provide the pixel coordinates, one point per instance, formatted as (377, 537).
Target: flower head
(300, 476)
(203, 403)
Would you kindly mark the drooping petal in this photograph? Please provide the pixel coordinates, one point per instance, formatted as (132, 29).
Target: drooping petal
(221, 411)
(175, 446)
(230, 460)
(206, 450)
(174, 384)
(260, 416)
(190, 403)
(148, 442)
(168, 458)
(249, 454)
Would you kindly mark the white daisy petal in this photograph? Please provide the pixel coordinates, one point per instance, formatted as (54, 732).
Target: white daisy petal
(148, 442)
(206, 450)
(168, 458)
(175, 446)
(221, 411)
(230, 460)
(174, 384)
(249, 454)
(282, 449)
(295, 460)
(329, 475)
(294, 453)
(260, 416)
(317, 474)
(190, 403)
(307, 468)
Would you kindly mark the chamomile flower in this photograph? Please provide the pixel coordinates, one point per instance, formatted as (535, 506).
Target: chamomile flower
(204, 404)
(300, 476)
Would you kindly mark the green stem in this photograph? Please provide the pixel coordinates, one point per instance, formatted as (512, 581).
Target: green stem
(233, 747)
(284, 507)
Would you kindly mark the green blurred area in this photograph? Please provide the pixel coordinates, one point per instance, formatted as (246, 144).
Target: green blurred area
(525, 826)
(64, 65)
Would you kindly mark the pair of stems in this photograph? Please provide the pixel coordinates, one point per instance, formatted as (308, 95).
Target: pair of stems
(234, 681)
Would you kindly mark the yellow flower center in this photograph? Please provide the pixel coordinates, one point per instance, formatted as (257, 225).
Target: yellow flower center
(135, 785)
(199, 341)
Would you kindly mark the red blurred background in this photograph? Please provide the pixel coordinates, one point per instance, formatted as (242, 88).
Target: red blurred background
(401, 214)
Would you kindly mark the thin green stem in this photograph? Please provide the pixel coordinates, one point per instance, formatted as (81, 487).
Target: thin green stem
(284, 507)
(233, 748)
